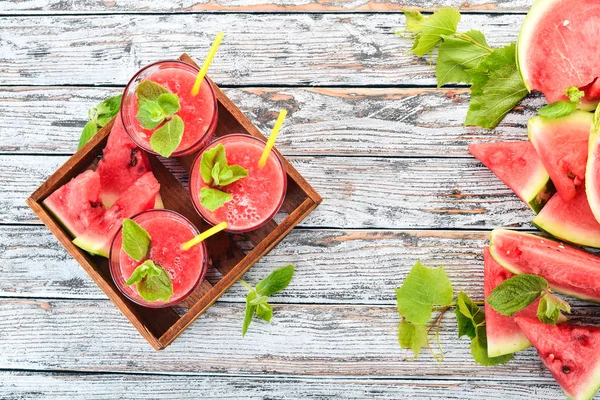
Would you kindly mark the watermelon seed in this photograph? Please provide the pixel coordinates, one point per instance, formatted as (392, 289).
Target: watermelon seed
(133, 160)
(566, 370)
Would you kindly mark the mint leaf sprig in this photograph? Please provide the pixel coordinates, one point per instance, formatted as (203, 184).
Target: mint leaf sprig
(217, 173)
(258, 297)
(562, 108)
(156, 106)
(98, 117)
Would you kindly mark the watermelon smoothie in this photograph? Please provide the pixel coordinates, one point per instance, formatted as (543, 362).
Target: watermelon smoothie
(168, 230)
(199, 113)
(255, 198)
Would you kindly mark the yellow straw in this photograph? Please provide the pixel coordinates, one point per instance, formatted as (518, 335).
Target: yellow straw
(207, 61)
(271, 142)
(204, 235)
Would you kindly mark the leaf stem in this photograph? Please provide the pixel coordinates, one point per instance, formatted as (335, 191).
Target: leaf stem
(466, 38)
(245, 284)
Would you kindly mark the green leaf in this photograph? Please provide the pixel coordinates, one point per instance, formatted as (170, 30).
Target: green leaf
(457, 55)
(422, 289)
(89, 130)
(264, 311)
(497, 59)
(107, 110)
(216, 155)
(276, 281)
(413, 20)
(150, 115)
(216, 172)
(136, 240)
(516, 293)
(479, 350)
(469, 316)
(166, 139)
(212, 199)
(574, 94)
(148, 90)
(413, 337)
(431, 29)
(259, 300)
(230, 174)
(558, 109)
(152, 282)
(250, 310)
(169, 103)
(550, 307)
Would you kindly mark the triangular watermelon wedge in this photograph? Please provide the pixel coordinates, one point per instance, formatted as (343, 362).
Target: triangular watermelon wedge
(503, 334)
(592, 171)
(562, 145)
(519, 167)
(570, 352)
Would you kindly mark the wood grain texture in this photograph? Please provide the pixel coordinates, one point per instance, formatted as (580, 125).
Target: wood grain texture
(142, 6)
(301, 340)
(308, 49)
(321, 121)
(361, 192)
(57, 386)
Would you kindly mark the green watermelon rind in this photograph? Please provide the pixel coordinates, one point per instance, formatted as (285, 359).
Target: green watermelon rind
(554, 227)
(539, 192)
(591, 191)
(93, 247)
(497, 348)
(512, 268)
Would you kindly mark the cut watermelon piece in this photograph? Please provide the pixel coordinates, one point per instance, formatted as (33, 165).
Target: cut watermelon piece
(568, 270)
(503, 334)
(562, 145)
(519, 167)
(572, 221)
(122, 163)
(141, 196)
(592, 171)
(556, 46)
(77, 204)
(570, 352)
(590, 101)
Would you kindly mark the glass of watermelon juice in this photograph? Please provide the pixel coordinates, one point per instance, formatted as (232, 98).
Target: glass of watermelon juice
(255, 198)
(168, 230)
(199, 113)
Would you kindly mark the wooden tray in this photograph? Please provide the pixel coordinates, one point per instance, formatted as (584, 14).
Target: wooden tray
(161, 326)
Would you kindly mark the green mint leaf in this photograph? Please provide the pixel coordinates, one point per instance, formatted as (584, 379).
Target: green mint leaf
(422, 289)
(550, 307)
(216, 155)
(148, 90)
(152, 282)
(413, 337)
(558, 109)
(230, 174)
(136, 240)
(139, 273)
(459, 54)
(150, 115)
(107, 110)
(89, 130)
(431, 29)
(413, 20)
(469, 316)
(276, 281)
(516, 293)
(480, 353)
(165, 139)
(264, 311)
(216, 172)
(169, 103)
(250, 310)
(212, 199)
(259, 300)
(574, 94)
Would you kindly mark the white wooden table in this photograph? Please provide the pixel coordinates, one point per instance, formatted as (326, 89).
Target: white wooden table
(368, 129)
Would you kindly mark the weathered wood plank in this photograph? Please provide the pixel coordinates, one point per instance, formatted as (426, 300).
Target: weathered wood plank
(386, 122)
(45, 7)
(358, 192)
(308, 49)
(56, 386)
(329, 340)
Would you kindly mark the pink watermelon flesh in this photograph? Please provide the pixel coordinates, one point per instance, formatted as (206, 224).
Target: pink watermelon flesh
(77, 204)
(122, 163)
(141, 196)
(567, 269)
(519, 167)
(558, 45)
(570, 352)
(503, 334)
(590, 101)
(562, 145)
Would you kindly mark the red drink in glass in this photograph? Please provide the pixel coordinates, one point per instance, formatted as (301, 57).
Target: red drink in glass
(168, 230)
(255, 198)
(199, 113)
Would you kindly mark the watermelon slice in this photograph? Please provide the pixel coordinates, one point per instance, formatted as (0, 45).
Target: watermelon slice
(568, 270)
(503, 334)
(77, 204)
(519, 167)
(557, 42)
(141, 196)
(570, 352)
(572, 221)
(592, 171)
(562, 144)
